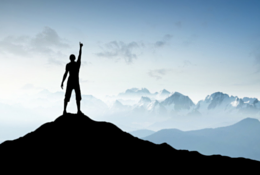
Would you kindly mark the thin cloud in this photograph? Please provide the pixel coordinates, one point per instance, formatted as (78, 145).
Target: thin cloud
(85, 81)
(115, 49)
(257, 61)
(187, 63)
(15, 45)
(28, 86)
(190, 40)
(46, 42)
(84, 63)
(256, 55)
(178, 24)
(55, 61)
(164, 41)
(158, 73)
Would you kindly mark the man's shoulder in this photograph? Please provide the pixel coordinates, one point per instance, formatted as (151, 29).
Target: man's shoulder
(68, 64)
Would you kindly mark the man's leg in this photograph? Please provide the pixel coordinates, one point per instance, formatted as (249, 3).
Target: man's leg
(65, 106)
(78, 97)
(78, 106)
(67, 98)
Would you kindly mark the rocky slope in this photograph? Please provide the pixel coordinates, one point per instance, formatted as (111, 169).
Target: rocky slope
(75, 143)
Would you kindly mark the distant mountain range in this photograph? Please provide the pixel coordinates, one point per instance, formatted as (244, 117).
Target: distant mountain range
(220, 102)
(171, 104)
(162, 103)
(131, 110)
(142, 133)
(239, 140)
(137, 93)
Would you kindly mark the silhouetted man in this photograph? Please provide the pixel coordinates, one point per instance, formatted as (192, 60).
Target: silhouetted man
(73, 80)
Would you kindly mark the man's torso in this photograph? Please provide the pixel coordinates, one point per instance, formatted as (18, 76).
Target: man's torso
(73, 68)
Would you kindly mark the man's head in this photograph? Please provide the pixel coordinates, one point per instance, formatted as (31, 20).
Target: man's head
(72, 57)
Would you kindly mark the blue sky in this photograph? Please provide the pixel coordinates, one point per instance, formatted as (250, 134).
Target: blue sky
(194, 47)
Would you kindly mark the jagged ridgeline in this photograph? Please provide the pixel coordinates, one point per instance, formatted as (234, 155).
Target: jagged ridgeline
(164, 103)
(74, 142)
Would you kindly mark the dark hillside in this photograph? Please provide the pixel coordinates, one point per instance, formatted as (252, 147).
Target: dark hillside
(74, 142)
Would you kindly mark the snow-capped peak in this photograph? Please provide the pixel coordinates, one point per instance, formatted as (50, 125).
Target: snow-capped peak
(179, 100)
(237, 102)
(217, 95)
(250, 100)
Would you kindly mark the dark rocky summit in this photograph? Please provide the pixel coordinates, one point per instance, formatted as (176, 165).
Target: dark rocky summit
(75, 143)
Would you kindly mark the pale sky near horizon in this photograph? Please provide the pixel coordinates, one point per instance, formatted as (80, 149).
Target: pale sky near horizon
(194, 47)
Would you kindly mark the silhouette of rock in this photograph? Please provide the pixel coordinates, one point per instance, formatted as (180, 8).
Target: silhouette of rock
(75, 143)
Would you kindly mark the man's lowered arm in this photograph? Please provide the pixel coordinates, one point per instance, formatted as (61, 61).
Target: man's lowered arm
(79, 57)
(64, 77)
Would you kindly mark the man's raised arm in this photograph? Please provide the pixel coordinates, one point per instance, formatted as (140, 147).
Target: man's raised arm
(79, 57)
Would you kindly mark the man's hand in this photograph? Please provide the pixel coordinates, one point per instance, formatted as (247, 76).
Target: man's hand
(80, 44)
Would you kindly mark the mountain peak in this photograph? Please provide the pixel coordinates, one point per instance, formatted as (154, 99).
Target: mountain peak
(117, 102)
(145, 99)
(136, 90)
(248, 122)
(179, 100)
(177, 93)
(218, 94)
(74, 142)
(216, 99)
(164, 91)
(250, 100)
